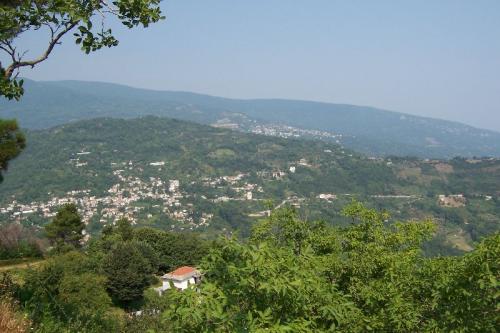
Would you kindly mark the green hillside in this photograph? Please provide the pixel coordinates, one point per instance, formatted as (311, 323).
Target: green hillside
(113, 168)
(364, 129)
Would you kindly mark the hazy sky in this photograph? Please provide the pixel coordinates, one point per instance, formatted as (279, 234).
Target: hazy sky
(425, 57)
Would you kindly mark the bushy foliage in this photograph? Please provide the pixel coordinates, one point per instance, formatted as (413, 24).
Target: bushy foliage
(149, 319)
(465, 294)
(370, 276)
(261, 288)
(68, 294)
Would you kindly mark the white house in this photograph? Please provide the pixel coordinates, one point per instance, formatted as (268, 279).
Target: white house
(181, 278)
(249, 195)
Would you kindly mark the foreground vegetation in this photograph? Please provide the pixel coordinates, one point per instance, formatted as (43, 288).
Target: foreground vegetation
(290, 276)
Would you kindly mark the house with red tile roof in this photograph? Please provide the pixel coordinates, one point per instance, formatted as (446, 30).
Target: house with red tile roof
(181, 278)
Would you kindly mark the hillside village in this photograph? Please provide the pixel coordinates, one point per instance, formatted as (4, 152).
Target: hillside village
(244, 124)
(125, 199)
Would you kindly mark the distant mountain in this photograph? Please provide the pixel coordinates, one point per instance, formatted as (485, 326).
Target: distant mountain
(364, 129)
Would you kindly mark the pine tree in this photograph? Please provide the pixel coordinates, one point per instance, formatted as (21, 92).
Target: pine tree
(66, 228)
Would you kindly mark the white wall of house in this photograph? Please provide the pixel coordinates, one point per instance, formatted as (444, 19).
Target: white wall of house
(178, 284)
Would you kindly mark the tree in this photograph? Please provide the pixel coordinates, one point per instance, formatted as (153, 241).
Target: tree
(173, 249)
(85, 18)
(12, 142)
(124, 229)
(66, 228)
(121, 231)
(380, 268)
(128, 271)
(283, 228)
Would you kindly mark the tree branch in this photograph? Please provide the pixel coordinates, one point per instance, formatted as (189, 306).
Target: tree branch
(9, 49)
(17, 63)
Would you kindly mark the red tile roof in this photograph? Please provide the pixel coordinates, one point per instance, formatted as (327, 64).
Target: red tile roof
(183, 271)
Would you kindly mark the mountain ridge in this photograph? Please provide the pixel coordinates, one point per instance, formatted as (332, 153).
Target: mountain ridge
(277, 99)
(367, 130)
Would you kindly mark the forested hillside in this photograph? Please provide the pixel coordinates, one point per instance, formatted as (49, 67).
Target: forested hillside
(178, 175)
(364, 129)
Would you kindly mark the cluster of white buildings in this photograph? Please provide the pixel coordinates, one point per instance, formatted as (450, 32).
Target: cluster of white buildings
(232, 180)
(17, 211)
(284, 131)
(245, 190)
(122, 200)
(125, 198)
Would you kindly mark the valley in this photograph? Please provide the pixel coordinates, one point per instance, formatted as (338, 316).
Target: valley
(181, 176)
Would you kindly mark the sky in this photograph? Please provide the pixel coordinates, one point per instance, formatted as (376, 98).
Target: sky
(431, 58)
